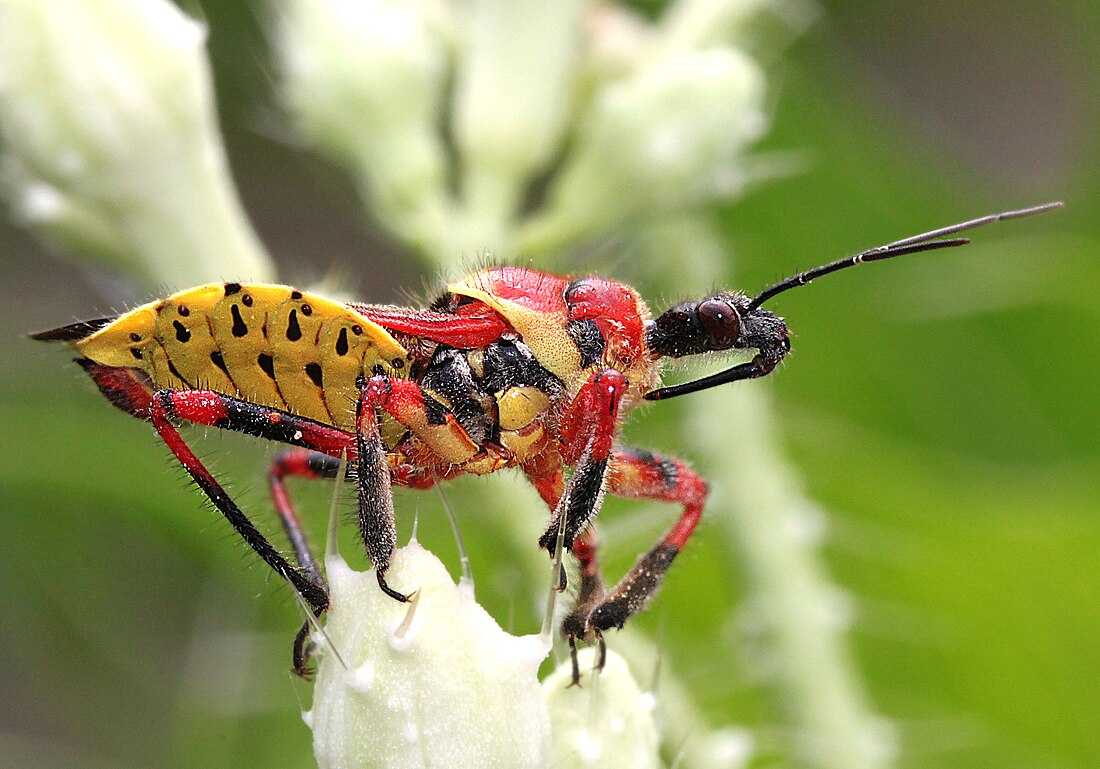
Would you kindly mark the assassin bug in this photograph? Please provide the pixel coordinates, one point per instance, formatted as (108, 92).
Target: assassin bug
(508, 368)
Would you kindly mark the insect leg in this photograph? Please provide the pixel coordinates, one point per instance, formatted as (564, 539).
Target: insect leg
(546, 477)
(210, 408)
(643, 475)
(588, 430)
(591, 594)
(434, 425)
(303, 650)
(299, 463)
(377, 525)
(303, 463)
(422, 477)
(206, 407)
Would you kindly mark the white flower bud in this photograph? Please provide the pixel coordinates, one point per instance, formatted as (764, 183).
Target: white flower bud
(660, 140)
(364, 81)
(107, 115)
(605, 722)
(448, 689)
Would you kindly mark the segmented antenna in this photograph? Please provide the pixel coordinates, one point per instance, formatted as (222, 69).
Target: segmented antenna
(927, 241)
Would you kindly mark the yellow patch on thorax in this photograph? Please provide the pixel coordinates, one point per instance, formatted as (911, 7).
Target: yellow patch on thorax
(546, 336)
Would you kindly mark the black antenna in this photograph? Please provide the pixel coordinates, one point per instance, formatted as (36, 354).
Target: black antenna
(772, 351)
(928, 241)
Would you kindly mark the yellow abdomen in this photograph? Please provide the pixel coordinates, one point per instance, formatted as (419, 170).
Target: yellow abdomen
(267, 344)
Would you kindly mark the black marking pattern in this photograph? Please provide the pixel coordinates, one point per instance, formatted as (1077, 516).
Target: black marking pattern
(342, 342)
(293, 330)
(512, 364)
(183, 335)
(435, 411)
(232, 288)
(176, 373)
(666, 468)
(586, 335)
(449, 374)
(267, 363)
(218, 360)
(313, 371)
(239, 327)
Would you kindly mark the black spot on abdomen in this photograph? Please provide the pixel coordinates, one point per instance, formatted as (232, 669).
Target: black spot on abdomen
(313, 371)
(267, 363)
(239, 327)
(342, 342)
(182, 334)
(293, 330)
(176, 373)
(217, 359)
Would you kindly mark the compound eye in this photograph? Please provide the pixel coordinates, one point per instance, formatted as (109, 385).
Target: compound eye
(721, 321)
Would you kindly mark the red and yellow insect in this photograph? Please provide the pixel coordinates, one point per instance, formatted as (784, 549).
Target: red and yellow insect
(508, 368)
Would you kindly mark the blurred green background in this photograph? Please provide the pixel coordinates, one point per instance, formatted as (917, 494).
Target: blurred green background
(942, 409)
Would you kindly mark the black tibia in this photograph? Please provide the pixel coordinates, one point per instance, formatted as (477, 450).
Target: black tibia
(632, 594)
(300, 463)
(576, 625)
(579, 503)
(304, 464)
(376, 516)
(314, 594)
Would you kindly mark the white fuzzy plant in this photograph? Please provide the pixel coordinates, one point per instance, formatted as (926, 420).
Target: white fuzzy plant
(445, 112)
